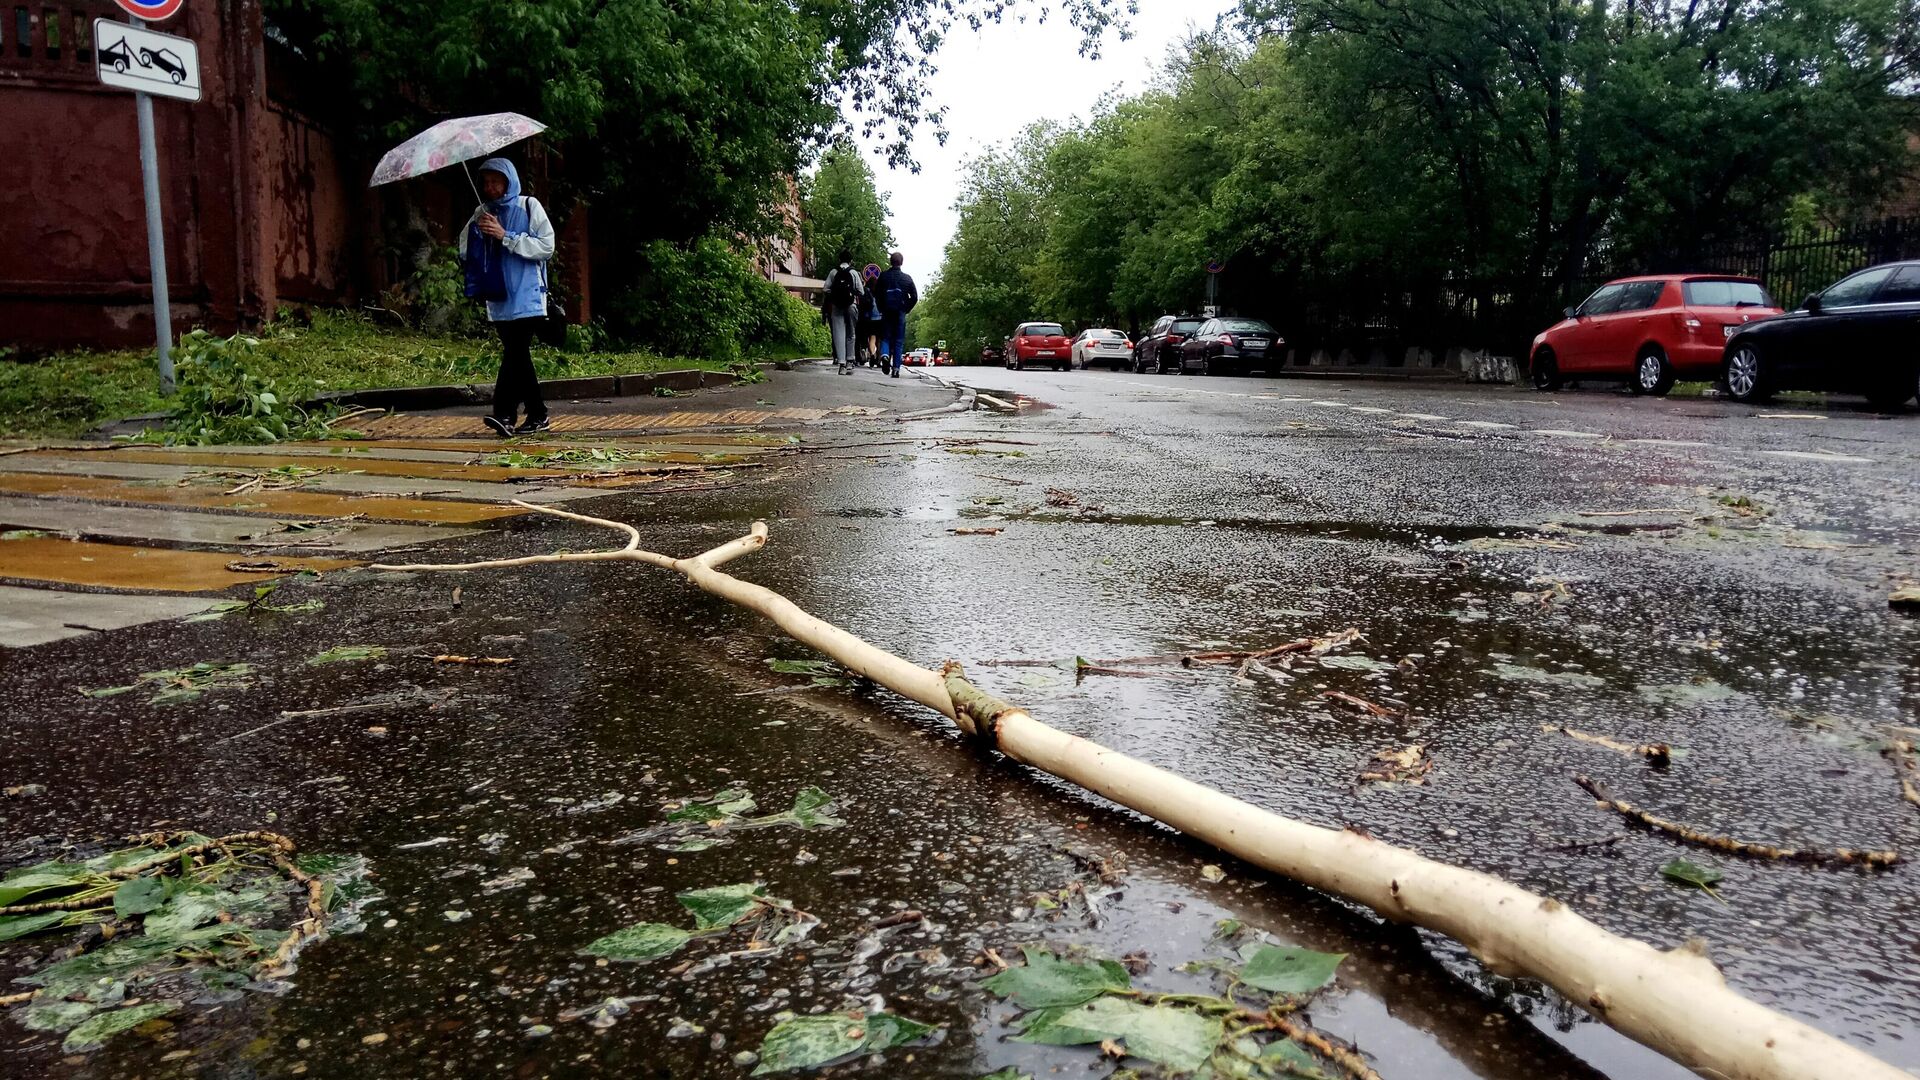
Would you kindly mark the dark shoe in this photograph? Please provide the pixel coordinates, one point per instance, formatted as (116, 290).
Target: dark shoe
(896, 373)
(503, 427)
(530, 426)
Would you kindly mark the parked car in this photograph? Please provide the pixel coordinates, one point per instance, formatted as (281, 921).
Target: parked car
(1856, 336)
(1159, 349)
(1224, 345)
(1649, 331)
(1108, 348)
(1039, 343)
(918, 358)
(990, 355)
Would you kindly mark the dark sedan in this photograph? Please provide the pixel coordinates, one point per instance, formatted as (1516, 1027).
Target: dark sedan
(1859, 336)
(1159, 348)
(1229, 346)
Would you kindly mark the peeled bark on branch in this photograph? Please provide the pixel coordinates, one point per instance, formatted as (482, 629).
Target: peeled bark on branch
(1675, 1002)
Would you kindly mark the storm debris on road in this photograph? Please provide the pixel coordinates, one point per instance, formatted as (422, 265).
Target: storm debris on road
(477, 661)
(174, 685)
(1362, 705)
(1658, 754)
(983, 531)
(1901, 753)
(1406, 765)
(1844, 856)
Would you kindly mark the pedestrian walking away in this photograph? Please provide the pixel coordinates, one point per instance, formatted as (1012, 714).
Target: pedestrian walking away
(843, 294)
(504, 250)
(898, 295)
(870, 313)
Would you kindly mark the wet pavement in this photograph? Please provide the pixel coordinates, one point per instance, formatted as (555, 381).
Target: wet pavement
(1686, 571)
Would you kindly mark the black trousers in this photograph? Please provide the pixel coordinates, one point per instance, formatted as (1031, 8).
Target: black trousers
(517, 383)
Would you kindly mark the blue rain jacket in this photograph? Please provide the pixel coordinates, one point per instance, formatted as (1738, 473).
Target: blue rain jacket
(529, 244)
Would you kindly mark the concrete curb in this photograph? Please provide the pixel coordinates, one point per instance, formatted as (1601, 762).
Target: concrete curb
(400, 398)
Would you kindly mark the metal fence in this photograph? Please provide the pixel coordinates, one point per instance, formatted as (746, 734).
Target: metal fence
(1805, 261)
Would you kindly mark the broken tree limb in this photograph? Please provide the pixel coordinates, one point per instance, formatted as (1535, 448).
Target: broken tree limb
(1900, 753)
(1675, 1002)
(1845, 856)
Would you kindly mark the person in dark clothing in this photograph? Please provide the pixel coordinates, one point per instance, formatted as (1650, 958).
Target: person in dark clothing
(870, 314)
(898, 295)
(514, 229)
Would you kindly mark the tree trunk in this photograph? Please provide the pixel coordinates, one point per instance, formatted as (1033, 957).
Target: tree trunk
(1675, 1002)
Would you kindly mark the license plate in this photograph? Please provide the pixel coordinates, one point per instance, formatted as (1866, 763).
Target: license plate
(1254, 343)
(1044, 352)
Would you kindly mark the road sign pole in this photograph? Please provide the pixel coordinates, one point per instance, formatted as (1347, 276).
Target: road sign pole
(156, 237)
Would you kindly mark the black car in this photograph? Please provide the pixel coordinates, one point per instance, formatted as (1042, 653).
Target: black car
(166, 60)
(1861, 336)
(1159, 348)
(1230, 345)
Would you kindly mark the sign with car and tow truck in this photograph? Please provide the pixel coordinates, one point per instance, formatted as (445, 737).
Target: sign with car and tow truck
(135, 58)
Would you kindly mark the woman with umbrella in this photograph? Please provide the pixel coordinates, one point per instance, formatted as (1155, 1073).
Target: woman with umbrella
(504, 247)
(514, 229)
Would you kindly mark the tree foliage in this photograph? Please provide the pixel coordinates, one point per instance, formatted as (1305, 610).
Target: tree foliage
(676, 120)
(1446, 167)
(843, 210)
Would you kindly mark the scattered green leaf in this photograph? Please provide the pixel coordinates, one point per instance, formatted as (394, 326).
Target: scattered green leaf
(1174, 1037)
(1046, 981)
(641, 941)
(721, 905)
(1704, 878)
(138, 896)
(94, 1033)
(1283, 970)
(347, 653)
(728, 803)
(806, 1042)
(16, 926)
(804, 667)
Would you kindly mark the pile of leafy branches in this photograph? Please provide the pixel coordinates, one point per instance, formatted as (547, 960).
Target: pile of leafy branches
(224, 398)
(176, 919)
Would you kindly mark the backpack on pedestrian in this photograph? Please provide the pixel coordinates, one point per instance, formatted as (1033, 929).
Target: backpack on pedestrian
(842, 289)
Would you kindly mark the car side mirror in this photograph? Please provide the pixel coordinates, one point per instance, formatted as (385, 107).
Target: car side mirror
(1812, 304)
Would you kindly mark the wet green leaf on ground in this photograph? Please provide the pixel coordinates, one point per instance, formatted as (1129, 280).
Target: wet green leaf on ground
(1684, 872)
(1284, 970)
(804, 667)
(17, 926)
(641, 942)
(806, 1042)
(1008, 1073)
(175, 685)
(94, 1033)
(348, 653)
(721, 905)
(1523, 673)
(137, 896)
(1046, 981)
(727, 803)
(1174, 1037)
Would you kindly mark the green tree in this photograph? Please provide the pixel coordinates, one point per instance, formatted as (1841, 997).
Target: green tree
(843, 210)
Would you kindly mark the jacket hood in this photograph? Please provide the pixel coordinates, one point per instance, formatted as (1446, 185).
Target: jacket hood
(504, 168)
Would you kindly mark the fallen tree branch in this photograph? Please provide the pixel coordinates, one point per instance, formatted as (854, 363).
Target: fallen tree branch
(1675, 1002)
(1361, 705)
(1658, 753)
(1847, 856)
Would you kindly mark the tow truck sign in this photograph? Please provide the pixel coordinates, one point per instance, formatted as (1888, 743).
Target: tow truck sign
(133, 58)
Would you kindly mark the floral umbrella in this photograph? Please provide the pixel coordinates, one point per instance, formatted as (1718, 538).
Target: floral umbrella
(453, 142)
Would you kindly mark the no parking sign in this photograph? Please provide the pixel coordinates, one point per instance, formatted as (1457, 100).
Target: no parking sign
(150, 10)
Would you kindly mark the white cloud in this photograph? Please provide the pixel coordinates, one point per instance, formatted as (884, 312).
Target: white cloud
(998, 81)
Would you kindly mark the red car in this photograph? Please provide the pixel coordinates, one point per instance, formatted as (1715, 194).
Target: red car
(1649, 331)
(1040, 343)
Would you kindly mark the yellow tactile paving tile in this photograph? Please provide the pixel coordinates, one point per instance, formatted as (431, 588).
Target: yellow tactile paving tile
(293, 504)
(462, 425)
(426, 470)
(124, 566)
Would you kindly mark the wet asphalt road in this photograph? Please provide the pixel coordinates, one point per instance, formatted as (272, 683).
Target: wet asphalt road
(1745, 622)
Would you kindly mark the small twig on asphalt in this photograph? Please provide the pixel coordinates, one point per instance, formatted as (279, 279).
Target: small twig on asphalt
(477, 661)
(1582, 845)
(1631, 513)
(1361, 705)
(1846, 856)
(991, 531)
(1656, 753)
(1006, 480)
(1901, 753)
(898, 918)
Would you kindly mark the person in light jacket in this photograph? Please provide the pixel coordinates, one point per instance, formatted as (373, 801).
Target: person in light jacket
(519, 225)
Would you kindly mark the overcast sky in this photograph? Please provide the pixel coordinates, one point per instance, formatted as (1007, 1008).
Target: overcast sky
(996, 82)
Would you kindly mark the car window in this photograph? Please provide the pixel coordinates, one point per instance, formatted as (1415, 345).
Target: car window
(1904, 288)
(1642, 295)
(1605, 299)
(1245, 326)
(1043, 329)
(1856, 290)
(1184, 326)
(1726, 294)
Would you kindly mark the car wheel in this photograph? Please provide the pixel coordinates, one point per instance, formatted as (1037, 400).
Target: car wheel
(176, 77)
(1895, 393)
(1651, 373)
(1546, 371)
(120, 67)
(1745, 373)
